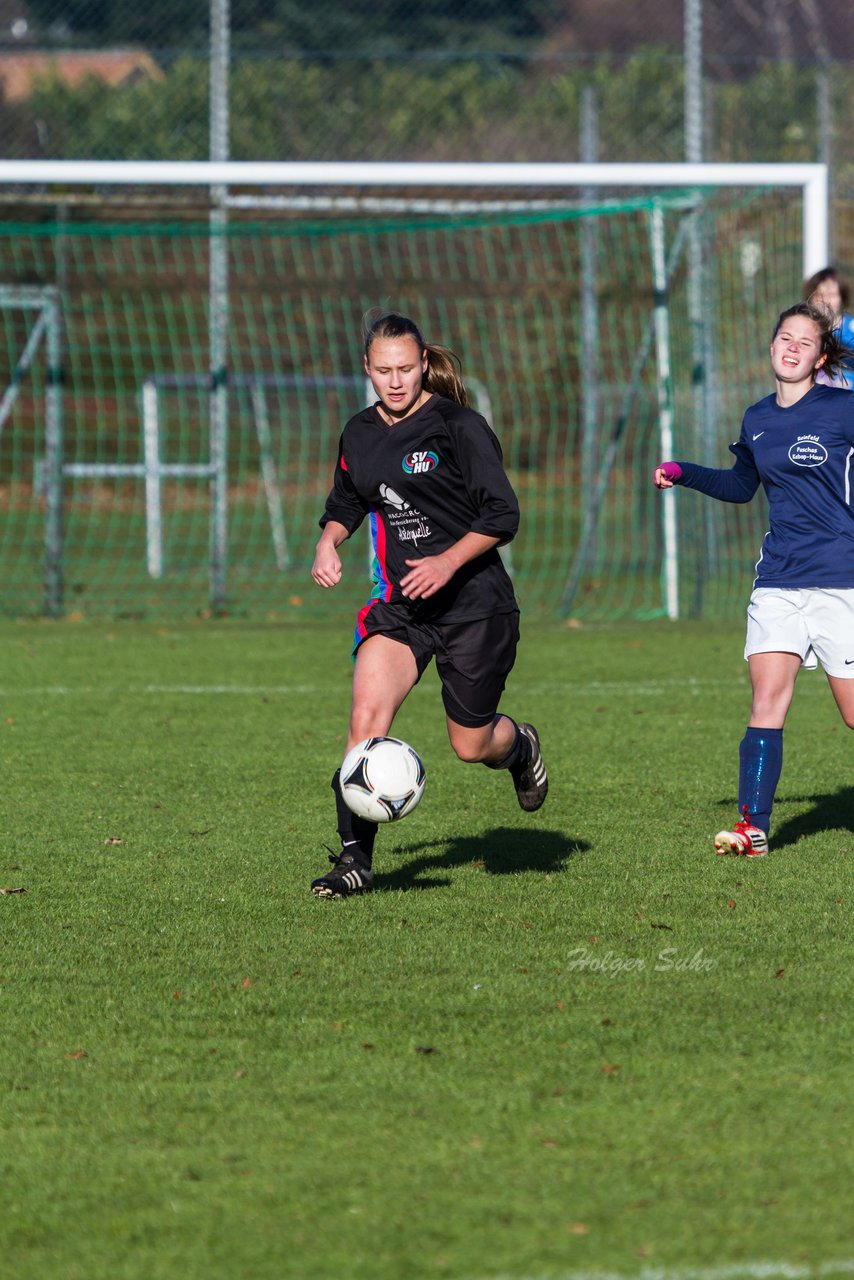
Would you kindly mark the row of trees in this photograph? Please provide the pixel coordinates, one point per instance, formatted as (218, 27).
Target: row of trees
(732, 29)
(321, 110)
(286, 25)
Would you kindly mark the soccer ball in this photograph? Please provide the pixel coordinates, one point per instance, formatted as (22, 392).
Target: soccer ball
(382, 779)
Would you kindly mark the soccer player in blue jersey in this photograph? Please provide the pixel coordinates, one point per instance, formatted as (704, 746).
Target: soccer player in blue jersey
(798, 443)
(827, 289)
(426, 472)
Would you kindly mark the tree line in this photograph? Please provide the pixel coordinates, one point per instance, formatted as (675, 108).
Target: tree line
(304, 109)
(736, 33)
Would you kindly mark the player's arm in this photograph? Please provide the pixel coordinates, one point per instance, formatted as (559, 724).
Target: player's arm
(326, 569)
(478, 455)
(737, 483)
(344, 512)
(430, 574)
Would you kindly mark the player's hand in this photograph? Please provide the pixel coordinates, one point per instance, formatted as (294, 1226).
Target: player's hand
(326, 569)
(666, 474)
(426, 577)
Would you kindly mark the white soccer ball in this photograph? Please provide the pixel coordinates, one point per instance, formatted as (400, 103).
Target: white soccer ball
(382, 779)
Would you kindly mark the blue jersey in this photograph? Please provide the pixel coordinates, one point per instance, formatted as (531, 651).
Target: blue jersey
(802, 455)
(845, 332)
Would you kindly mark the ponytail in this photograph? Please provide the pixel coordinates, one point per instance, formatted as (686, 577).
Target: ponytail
(444, 374)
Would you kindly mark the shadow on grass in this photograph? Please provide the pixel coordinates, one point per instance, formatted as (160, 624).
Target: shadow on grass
(831, 811)
(502, 851)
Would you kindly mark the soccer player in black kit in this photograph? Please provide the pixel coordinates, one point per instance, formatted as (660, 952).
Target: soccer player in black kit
(426, 471)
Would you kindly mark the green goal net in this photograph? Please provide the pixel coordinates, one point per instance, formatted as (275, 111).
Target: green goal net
(167, 441)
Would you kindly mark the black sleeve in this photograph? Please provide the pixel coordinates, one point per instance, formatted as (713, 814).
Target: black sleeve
(479, 460)
(343, 504)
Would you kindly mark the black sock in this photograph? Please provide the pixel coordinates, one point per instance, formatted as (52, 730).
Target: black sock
(519, 754)
(357, 834)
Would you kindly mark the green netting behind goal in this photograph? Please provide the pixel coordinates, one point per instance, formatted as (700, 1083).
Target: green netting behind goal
(105, 438)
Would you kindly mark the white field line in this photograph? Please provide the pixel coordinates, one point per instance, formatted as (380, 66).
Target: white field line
(733, 1271)
(574, 689)
(148, 690)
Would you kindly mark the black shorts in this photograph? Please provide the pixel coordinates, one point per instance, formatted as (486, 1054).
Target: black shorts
(473, 659)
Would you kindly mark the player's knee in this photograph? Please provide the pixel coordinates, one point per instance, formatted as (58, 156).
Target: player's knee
(368, 722)
(470, 746)
(769, 711)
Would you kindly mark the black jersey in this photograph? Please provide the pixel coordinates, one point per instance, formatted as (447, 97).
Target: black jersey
(423, 484)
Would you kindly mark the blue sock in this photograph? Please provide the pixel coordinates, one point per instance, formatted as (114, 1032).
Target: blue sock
(760, 756)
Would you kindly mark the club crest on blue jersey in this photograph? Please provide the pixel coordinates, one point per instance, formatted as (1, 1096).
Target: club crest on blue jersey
(420, 460)
(808, 451)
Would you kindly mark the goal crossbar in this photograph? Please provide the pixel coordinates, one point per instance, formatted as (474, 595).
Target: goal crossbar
(811, 179)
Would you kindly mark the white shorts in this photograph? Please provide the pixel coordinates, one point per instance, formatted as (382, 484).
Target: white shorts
(815, 622)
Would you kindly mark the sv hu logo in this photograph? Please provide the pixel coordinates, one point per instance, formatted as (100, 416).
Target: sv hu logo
(420, 460)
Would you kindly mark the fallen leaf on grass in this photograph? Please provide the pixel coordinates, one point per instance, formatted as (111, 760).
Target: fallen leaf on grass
(779, 973)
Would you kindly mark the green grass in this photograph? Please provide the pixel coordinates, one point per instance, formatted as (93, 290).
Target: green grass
(546, 1046)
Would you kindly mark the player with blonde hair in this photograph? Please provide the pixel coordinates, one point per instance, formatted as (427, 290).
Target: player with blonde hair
(426, 472)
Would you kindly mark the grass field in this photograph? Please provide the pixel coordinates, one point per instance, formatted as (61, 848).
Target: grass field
(573, 1044)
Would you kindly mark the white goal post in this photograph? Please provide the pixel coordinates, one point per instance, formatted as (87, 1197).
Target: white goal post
(423, 186)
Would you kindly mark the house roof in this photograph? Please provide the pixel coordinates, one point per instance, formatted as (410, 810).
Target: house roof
(21, 69)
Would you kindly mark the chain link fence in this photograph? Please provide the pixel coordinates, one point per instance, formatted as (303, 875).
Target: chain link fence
(442, 80)
(468, 80)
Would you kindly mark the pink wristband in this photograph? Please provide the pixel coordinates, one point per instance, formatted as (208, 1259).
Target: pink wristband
(672, 471)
